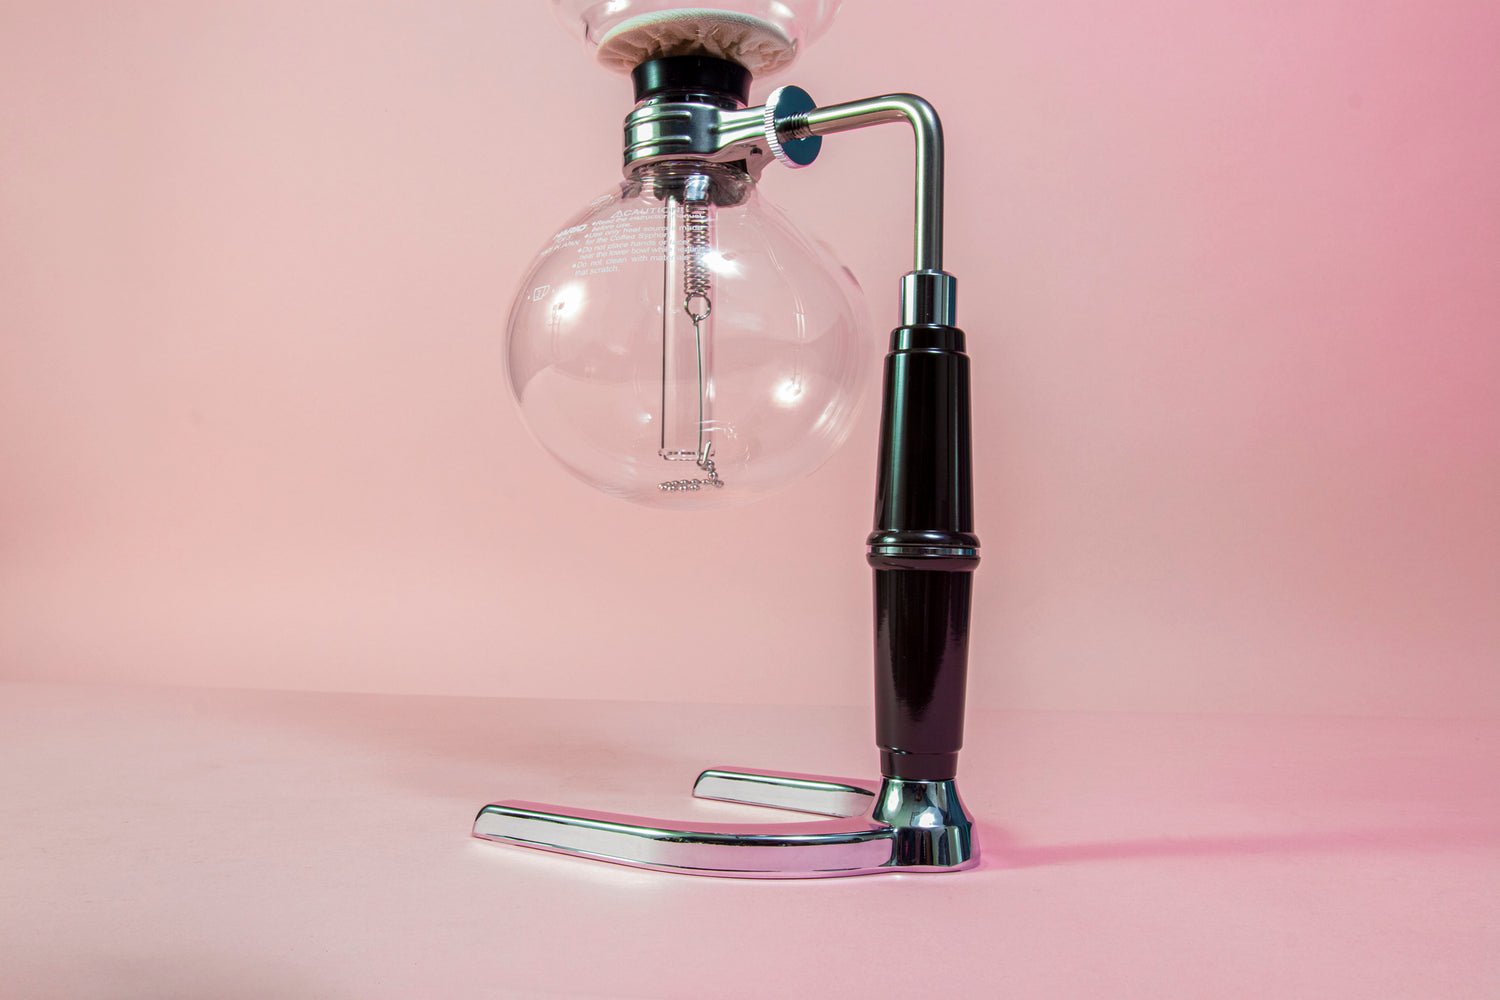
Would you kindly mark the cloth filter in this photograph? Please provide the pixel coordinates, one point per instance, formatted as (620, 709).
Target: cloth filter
(759, 46)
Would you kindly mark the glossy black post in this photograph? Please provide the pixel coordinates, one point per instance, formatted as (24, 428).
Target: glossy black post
(924, 553)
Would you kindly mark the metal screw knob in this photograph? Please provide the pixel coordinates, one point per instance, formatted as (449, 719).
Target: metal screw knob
(783, 104)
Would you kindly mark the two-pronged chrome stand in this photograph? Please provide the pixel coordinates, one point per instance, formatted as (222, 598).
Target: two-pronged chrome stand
(897, 826)
(923, 549)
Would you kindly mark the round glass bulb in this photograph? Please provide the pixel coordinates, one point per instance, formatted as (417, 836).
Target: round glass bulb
(680, 344)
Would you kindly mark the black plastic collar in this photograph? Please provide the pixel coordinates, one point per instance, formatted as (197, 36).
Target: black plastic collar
(687, 78)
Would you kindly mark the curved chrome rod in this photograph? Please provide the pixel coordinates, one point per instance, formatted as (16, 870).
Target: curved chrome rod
(901, 826)
(928, 130)
(670, 130)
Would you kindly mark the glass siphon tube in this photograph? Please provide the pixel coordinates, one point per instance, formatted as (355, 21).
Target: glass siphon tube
(687, 333)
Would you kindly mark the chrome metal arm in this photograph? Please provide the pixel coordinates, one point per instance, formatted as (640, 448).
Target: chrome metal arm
(665, 130)
(901, 826)
(928, 293)
(928, 131)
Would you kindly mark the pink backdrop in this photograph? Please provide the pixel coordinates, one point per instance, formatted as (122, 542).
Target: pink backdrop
(1231, 274)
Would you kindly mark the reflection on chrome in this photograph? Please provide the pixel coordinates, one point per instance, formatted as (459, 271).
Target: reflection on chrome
(896, 826)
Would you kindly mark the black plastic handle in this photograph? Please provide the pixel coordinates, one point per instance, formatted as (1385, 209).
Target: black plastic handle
(924, 553)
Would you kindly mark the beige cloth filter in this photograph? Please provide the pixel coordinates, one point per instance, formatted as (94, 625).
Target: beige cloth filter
(757, 45)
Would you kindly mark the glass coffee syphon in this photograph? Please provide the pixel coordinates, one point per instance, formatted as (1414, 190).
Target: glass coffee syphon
(680, 344)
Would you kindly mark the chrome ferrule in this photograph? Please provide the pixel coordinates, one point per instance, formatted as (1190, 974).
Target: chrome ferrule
(929, 297)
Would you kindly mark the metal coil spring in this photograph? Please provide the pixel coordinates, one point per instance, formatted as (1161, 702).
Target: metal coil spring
(697, 234)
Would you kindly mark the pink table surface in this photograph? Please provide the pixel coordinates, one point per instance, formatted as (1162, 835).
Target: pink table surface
(172, 842)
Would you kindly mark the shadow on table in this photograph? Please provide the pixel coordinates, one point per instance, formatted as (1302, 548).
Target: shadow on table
(1006, 853)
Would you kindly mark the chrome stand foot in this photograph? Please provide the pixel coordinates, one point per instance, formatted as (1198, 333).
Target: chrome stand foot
(898, 826)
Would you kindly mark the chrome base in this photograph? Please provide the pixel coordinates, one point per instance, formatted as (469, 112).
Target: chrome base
(900, 826)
